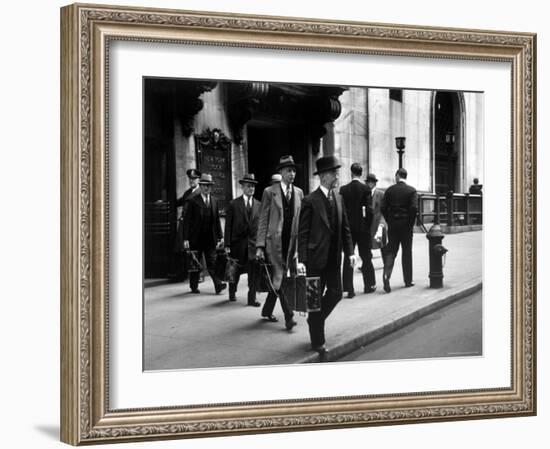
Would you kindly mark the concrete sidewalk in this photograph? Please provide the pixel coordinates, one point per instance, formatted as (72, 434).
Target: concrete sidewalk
(184, 330)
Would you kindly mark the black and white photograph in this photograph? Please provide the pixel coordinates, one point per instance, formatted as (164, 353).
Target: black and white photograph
(301, 223)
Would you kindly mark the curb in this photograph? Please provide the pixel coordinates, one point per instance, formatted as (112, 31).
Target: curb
(344, 348)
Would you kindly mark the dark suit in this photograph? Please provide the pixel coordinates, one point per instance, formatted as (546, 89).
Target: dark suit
(399, 207)
(241, 226)
(358, 202)
(201, 226)
(323, 234)
(181, 274)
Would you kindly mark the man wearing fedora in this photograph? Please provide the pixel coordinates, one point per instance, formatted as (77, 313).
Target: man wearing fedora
(241, 225)
(399, 207)
(378, 229)
(324, 233)
(277, 233)
(202, 230)
(358, 202)
(193, 176)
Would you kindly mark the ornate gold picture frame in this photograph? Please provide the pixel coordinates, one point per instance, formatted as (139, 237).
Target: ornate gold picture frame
(87, 32)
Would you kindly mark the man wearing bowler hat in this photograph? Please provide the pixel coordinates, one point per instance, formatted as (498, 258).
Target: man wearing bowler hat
(324, 233)
(241, 225)
(358, 202)
(202, 230)
(277, 233)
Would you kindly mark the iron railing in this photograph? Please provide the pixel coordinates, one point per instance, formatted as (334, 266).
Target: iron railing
(455, 209)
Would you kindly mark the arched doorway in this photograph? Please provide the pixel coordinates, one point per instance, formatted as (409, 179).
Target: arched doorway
(447, 150)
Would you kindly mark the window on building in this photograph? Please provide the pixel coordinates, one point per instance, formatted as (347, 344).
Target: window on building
(397, 95)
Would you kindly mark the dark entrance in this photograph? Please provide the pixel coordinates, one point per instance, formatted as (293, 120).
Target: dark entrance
(159, 178)
(266, 145)
(447, 127)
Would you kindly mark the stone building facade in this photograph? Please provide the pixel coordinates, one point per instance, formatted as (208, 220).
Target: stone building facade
(231, 128)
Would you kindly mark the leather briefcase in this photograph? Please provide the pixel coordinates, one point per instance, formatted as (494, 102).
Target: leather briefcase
(308, 294)
(262, 276)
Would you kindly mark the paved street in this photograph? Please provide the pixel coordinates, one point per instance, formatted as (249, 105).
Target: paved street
(455, 330)
(183, 330)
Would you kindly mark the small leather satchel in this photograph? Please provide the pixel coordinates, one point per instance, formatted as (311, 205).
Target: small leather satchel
(192, 262)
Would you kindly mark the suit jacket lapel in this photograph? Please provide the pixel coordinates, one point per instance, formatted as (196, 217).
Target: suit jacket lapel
(321, 205)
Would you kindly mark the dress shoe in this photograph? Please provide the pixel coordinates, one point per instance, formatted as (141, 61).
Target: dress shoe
(323, 352)
(387, 287)
(254, 303)
(195, 290)
(270, 318)
(220, 287)
(351, 294)
(370, 289)
(410, 284)
(289, 324)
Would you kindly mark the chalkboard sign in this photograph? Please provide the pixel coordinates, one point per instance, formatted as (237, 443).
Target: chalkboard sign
(214, 157)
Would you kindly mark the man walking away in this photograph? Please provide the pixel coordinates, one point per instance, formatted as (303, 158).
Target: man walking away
(399, 208)
(358, 202)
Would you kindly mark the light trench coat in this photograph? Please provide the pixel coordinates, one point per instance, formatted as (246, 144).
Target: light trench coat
(270, 230)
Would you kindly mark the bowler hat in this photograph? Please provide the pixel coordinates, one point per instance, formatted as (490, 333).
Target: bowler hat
(286, 161)
(326, 163)
(193, 173)
(249, 177)
(206, 179)
(371, 177)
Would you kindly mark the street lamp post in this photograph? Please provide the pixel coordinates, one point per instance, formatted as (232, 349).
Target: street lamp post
(400, 145)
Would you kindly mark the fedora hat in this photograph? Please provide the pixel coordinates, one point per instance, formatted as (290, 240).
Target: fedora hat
(206, 179)
(276, 178)
(193, 173)
(371, 177)
(286, 161)
(326, 163)
(249, 177)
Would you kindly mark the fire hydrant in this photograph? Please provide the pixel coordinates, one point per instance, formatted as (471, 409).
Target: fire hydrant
(437, 250)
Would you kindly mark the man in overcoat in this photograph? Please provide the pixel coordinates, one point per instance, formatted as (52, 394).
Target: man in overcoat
(202, 230)
(358, 202)
(241, 226)
(378, 229)
(399, 207)
(277, 234)
(324, 233)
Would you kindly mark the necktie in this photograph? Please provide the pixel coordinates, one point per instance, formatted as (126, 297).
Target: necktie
(288, 193)
(248, 205)
(207, 200)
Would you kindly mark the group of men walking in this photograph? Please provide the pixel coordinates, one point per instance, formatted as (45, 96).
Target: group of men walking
(303, 235)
